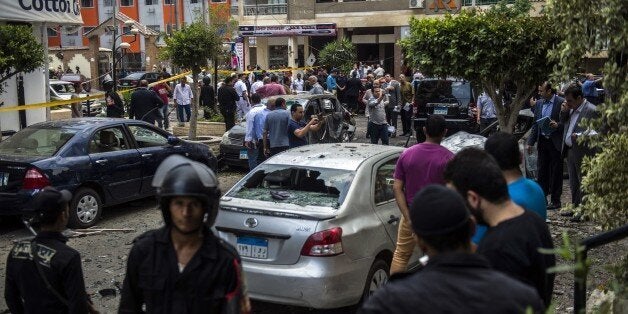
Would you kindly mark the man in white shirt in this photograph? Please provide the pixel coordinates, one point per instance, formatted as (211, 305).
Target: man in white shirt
(183, 98)
(257, 84)
(379, 71)
(297, 84)
(243, 106)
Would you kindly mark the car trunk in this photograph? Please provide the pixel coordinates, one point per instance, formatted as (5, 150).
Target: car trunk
(450, 99)
(12, 174)
(272, 235)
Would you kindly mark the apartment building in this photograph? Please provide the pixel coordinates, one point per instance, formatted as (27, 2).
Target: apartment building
(278, 33)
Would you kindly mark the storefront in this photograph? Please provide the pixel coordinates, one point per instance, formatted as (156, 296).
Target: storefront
(39, 14)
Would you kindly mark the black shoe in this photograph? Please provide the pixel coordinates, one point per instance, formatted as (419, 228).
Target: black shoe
(553, 206)
(567, 214)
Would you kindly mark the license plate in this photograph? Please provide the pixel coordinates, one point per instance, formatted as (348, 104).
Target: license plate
(252, 247)
(4, 179)
(244, 154)
(440, 110)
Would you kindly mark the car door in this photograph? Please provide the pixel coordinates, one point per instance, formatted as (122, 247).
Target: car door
(115, 164)
(153, 147)
(383, 197)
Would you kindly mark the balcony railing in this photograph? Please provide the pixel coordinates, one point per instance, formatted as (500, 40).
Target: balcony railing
(262, 9)
(468, 3)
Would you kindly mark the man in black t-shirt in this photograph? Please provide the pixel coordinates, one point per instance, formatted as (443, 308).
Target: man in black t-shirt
(514, 235)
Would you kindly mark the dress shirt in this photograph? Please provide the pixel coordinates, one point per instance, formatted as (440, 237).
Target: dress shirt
(258, 123)
(546, 111)
(573, 117)
(183, 94)
(331, 83)
(251, 133)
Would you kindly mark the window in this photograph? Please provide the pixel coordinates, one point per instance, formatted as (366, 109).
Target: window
(154, 27)
(168, 1)
(36, 142)
(108, 3)
(107, 140)
(152, 2)
(87, 3)
(218, 1)
(146, 137)
(126, 3)
(384, 180)
(52, 32)
(87, 29)
(193, 1)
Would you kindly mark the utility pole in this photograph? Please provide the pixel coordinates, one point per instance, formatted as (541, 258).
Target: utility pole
(113, 48)
(176, 14)
(205, 12)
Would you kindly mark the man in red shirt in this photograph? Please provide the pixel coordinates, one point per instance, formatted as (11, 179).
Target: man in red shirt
(163, 90)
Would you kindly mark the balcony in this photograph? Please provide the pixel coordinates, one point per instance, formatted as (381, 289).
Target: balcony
(468, 3)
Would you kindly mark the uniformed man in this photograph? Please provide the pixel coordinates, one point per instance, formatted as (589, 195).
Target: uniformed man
(183, 267)
(45, 275)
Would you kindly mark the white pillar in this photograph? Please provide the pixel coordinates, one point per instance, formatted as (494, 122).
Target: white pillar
(293, 51)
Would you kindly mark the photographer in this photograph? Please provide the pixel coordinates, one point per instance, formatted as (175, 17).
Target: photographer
(45, 275)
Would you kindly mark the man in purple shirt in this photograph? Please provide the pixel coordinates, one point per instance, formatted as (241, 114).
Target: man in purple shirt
(271, 89)
(417, 167)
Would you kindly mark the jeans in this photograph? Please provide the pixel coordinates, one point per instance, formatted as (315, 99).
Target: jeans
(405, 247)
(377, 132)
(164, 111)
(180, 109)
(252, 154)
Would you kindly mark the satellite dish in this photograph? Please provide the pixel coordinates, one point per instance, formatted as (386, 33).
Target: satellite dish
(69, 29)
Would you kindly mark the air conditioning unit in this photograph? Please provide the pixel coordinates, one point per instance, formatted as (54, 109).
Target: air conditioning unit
(416, 4)
(151, 10)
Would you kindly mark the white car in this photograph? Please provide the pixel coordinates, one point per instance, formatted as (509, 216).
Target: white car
(63, 90)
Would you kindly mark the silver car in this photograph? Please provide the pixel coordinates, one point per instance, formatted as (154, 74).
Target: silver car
(316, 226)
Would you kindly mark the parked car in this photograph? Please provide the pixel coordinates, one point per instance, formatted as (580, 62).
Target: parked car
(316, 225)
(63, 90)
(133, 80)
(339, 121)
(77, 78)
(102, 161)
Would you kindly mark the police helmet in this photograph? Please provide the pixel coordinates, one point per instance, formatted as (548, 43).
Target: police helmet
(180, 176)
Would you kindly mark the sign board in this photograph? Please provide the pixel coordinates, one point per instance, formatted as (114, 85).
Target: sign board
(239, 52)
(301, 9)
(326, 29)
(442, 6)
(310, 60)
(54, 11)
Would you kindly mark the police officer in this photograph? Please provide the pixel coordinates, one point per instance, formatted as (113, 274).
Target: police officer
(45, 275)
(183, 267)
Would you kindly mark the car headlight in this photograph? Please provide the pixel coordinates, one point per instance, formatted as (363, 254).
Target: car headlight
(225, 139)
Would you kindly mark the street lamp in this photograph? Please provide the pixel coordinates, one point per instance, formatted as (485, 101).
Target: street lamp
(123, 45)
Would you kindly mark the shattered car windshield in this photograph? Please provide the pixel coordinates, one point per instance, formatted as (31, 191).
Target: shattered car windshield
(295, 185)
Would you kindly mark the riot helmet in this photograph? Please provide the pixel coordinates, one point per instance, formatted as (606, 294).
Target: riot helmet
(180, 176)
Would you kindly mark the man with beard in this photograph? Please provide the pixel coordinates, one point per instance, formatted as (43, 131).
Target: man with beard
(514, 235)
(227, 98)
(183, 267)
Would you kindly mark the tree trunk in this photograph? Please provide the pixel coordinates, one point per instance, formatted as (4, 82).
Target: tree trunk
(194, 117)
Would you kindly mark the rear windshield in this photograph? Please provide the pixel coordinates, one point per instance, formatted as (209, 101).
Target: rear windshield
(65, 88)
(36, 142)
(295, 185)
(134, 76)
(443, 89)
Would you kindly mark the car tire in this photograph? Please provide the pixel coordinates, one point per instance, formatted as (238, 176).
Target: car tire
(85, 208)
(377, 277)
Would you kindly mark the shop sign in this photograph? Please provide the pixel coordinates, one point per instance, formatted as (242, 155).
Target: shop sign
(326, 29)
(55, 11)
(442, 6)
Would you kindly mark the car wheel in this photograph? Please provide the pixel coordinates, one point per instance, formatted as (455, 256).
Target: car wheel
(377, 278)
(85, 208)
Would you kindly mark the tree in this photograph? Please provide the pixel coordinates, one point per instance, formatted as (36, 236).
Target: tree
(338, 54)
(596, 26)
(502, 50)
(19, 52)
(190, 48)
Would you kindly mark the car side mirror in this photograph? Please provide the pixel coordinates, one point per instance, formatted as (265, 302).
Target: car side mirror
(173, 140)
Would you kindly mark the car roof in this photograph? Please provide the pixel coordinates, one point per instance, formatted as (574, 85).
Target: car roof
(344, 156)
(82, 123)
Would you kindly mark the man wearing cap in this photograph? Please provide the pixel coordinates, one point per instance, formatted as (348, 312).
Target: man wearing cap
(454, 280)
(45, 275)
(514, 235)
(183, 267)
(418, 166)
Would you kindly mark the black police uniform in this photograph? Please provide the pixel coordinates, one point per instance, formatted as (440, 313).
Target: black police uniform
(26, 291)
(454, 283)
(210, 283)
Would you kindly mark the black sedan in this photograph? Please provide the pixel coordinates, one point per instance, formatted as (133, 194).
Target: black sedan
(102, 161)
(339, 126)
(133, 80)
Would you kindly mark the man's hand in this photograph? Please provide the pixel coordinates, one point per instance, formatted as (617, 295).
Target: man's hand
(249, 144)
(532, 102)
(564, 107)
(553, 124)
(313, 121)
(266, 151)
(530, 149)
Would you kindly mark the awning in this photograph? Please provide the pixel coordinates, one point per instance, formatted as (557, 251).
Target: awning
(45, 11)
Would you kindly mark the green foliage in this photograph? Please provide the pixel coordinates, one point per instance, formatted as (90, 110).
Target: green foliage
(19, 52)
(593, 27)
(338, 54)
(497, 48)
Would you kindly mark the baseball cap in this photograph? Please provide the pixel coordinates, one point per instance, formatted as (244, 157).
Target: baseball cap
(437, 210)
(48, 200)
